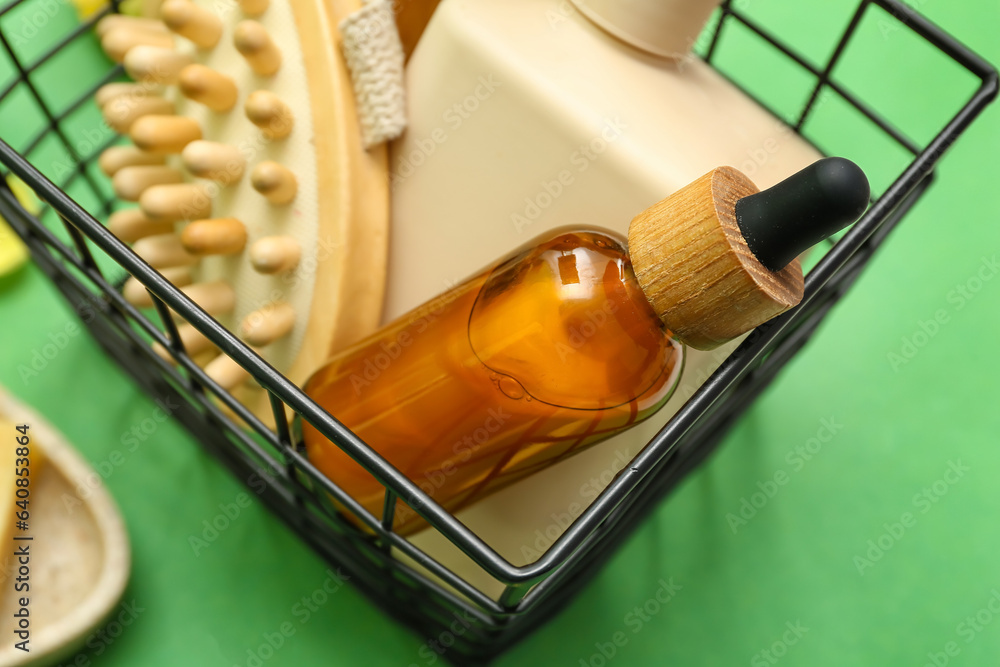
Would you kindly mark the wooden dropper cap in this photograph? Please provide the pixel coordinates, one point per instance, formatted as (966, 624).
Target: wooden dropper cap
(692, 260)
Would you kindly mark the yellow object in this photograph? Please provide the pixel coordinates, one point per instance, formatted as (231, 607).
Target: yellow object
(87, 8)
(24, 194)
(13, 252)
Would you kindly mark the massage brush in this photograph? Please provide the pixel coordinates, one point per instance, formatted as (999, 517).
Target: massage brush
(256, 194)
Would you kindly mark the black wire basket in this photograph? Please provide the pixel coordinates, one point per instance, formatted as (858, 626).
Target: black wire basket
(87, 263)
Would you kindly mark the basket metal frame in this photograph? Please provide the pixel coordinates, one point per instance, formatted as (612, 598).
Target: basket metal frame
(298, 493)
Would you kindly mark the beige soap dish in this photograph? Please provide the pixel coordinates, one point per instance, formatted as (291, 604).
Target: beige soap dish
(79, 557)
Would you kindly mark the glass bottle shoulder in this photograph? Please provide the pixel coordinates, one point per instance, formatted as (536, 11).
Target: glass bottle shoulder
(565, 318)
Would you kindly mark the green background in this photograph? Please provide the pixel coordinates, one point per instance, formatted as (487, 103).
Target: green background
(794, 562)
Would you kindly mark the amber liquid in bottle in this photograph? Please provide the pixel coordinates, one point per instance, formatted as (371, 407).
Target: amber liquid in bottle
(552, 350)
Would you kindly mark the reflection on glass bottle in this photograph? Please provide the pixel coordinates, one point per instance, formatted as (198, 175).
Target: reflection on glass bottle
(520, 366)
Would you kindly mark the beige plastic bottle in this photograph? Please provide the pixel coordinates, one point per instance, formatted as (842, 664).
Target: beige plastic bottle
(525, 115)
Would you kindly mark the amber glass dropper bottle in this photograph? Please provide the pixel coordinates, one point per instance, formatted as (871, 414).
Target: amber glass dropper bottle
(573, 337)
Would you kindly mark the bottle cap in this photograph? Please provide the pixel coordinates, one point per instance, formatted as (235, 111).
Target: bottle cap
(801, 211)
(693, 262)
(665, 28)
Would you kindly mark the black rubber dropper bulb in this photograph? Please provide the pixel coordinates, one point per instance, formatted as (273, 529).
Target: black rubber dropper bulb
(802, 210)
